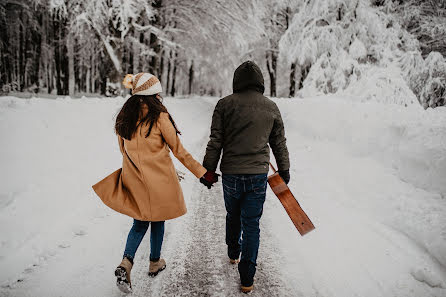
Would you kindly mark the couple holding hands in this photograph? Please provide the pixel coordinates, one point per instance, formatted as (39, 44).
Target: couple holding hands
(244, 126)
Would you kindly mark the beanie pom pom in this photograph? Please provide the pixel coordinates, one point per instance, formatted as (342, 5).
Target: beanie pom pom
(128, 81)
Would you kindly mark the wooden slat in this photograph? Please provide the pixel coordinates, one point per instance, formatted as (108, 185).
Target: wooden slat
(299, 218)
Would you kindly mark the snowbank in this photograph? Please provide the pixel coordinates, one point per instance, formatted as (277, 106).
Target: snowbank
(387, 165)
(51, 153)
(408, 139)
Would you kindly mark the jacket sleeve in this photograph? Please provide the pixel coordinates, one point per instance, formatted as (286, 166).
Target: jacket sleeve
(277, 142)
(173, 141)
(215, 144)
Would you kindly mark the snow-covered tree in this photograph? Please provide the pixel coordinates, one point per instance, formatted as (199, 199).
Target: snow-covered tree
(336, 43)
(20, 45)
(427, 78)
(434, 92)
(426, 20)
(112, 21)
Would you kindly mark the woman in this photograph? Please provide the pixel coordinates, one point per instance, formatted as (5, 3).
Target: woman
(147, 187)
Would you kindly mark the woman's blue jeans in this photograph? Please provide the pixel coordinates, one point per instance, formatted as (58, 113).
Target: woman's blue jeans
(136, 235)
(244, 197)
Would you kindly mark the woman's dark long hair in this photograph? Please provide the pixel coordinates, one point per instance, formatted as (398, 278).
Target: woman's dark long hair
(131, 112)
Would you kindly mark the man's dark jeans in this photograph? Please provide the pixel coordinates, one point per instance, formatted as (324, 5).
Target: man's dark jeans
(244, 197)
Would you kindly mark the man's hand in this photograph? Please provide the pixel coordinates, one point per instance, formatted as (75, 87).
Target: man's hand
(285, 175)
(209, 179)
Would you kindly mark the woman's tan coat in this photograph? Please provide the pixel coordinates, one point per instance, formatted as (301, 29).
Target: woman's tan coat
(147, 187)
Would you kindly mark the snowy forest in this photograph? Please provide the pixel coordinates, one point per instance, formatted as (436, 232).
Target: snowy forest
(393, 48)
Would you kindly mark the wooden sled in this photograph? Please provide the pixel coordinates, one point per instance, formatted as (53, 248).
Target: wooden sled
(299, 218)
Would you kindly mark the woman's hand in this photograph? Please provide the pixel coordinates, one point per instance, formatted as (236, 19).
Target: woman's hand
(209, 179)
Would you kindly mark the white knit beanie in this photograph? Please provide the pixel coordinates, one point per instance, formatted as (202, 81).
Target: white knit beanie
(142, 84)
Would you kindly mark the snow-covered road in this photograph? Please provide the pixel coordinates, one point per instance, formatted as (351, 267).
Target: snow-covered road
(371, 177)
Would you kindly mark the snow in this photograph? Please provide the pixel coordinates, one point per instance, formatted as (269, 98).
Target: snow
(357, 50)
(384, 85)
(369, 175)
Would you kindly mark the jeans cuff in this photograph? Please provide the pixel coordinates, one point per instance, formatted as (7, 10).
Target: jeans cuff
(130, 258)
(154, 259)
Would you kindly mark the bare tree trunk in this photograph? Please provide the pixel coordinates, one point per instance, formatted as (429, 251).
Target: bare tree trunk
(71, 76)
(169, 62)
(154, 42)
(38, 50)
(48, 76)
(304, 73)
(57, 55)
(88, 79)
(154, 59)
(3, 69)
(21, 55)
(60, 55)
(191, 76)
(292, 80)
(271, 65)
(141, 61)
(161, 66)
(46, 33)
(103, 76)
(79, 70)
(174, 72)
(64, 57)
(130, 68)
(92, 71)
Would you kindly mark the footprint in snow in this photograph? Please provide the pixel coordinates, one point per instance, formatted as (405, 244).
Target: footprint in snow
(428, 277)
(64, 245)
(80, 233)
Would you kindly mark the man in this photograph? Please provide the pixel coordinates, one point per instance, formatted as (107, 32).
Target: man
(243, 124)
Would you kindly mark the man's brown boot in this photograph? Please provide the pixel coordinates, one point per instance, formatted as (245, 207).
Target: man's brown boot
(122, 274)
(156, 267)
(247, 290)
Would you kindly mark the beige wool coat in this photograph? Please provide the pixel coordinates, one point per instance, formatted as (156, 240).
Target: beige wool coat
(146, 188)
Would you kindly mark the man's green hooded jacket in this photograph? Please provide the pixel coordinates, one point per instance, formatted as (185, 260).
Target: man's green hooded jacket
(244, 126)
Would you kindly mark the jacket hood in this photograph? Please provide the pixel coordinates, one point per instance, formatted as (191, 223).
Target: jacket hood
(248, 76)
